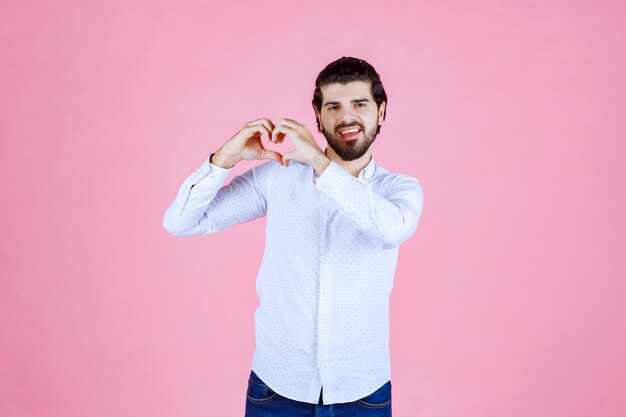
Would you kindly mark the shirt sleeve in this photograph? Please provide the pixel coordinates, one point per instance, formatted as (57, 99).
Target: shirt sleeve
(204, 205)
(388, 220)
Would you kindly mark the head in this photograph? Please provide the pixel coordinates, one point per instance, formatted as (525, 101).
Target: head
(349, 93)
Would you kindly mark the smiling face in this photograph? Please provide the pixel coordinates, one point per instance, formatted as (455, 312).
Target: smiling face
(346, 107)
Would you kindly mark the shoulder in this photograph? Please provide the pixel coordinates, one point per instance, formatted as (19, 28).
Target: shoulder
(394, 182)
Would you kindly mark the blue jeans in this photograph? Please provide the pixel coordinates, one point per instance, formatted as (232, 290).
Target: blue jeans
(262, 401)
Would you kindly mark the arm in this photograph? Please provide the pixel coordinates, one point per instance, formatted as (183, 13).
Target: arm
(204, 205)
(389, 220)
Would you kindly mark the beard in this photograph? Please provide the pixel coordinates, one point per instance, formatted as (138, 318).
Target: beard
(349, 150)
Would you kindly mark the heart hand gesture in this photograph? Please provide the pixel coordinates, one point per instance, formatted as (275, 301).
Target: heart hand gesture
(306, 149)
(246, 145)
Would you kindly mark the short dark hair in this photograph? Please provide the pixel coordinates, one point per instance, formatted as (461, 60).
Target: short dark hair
(344, 70)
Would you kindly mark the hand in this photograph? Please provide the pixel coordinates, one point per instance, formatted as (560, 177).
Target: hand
(306, 149)
(246, 145)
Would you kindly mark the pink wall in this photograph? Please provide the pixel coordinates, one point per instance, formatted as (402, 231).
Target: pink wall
(508, 300)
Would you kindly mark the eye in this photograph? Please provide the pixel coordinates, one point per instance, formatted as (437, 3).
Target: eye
(360, 104)
(332, 107)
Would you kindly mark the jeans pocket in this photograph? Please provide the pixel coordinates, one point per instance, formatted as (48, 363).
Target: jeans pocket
(377, 399)
(259, 391)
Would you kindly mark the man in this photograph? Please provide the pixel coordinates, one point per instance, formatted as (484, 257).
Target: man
(335, 221)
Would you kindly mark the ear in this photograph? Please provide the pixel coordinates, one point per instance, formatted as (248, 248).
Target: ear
(319, 117)
(381, 112)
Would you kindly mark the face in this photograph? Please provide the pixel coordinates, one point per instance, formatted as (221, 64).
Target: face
(346, 107)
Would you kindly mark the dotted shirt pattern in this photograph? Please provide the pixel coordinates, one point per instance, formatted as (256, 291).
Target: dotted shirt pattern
(327, 271)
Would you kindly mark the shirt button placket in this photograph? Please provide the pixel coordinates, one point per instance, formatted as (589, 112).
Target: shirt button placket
(323, 320)
(324, 308)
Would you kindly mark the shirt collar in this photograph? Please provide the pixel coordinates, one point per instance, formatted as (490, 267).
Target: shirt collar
(368, 171)
(365, 174)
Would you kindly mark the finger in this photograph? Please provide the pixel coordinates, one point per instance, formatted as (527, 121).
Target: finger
(257, 121)
(271, 124)
(264, 122)
(260, 128)
(268, 124)
(288, 157)
(282, 130)
(267, 154)
(293, 124)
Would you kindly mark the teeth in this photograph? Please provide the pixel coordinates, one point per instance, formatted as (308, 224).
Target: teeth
(349, 131)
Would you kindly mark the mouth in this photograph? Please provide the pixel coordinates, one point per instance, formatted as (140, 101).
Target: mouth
(350, 133)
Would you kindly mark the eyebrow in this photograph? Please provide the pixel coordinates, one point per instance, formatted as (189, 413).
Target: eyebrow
(358, 100)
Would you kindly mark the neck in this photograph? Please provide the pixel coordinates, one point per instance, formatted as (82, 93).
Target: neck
(353, 167)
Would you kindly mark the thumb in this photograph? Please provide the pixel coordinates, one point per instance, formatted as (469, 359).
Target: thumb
(267, 154)
(288, 157)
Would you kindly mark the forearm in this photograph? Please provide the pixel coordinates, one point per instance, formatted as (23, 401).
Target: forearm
(320, 163)
(193, 197)
(221, 160)
(388, 221)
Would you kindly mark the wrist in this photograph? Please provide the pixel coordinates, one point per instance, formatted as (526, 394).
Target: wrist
(320, 162)
(221, 160)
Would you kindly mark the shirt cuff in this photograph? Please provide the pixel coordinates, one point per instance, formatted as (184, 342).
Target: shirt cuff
(211, 170)
(334, 176)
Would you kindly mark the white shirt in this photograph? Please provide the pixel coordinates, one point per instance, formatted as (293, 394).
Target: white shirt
(327, 270)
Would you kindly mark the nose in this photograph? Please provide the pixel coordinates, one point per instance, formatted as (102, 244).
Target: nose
(347, 118)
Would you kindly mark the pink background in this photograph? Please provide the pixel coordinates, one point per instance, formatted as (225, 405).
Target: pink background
(507, 301)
